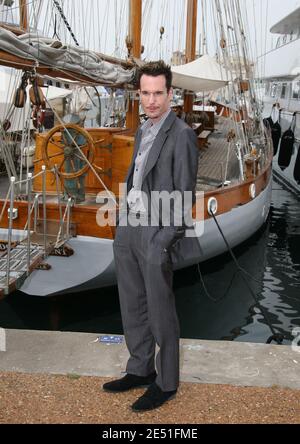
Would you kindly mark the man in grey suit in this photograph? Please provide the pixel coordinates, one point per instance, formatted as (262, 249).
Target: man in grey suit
(146, 246)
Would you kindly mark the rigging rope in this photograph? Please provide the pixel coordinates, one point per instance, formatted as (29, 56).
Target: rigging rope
(204, 27)
(278, 337)
(58, 7)
(229, 62)
(266, 31)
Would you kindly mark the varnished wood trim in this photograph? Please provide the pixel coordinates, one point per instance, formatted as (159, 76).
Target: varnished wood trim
(84, 217)
(237, 195)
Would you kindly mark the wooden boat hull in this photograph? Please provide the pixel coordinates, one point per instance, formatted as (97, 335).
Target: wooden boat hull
(96, 254)
(92, 266)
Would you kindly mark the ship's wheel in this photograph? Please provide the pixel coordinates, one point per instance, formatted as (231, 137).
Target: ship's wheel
(75, 150)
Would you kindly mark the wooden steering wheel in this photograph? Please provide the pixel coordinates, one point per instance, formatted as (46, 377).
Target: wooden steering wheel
(74, 146)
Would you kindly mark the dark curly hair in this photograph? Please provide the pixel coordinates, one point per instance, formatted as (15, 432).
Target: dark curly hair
(155, 69)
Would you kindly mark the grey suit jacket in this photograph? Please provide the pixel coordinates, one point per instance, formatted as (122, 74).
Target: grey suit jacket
(171, 166)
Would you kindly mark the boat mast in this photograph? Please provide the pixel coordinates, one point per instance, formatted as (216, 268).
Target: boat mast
(190, 45)
(23, 15)
(134, 52)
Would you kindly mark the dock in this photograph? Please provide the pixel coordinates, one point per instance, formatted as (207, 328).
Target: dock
(57, 377)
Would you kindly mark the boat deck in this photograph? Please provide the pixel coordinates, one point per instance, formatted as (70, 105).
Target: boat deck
(213, 159)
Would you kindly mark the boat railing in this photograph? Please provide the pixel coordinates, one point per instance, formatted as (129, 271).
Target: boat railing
(61, 237)
(23, 255)
(289, 113)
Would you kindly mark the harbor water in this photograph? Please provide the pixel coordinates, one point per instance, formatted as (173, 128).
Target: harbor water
(214, 301)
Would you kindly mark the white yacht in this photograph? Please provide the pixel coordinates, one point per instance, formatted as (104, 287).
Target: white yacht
(281, 95)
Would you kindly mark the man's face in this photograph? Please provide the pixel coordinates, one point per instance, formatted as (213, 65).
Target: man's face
(155, 98)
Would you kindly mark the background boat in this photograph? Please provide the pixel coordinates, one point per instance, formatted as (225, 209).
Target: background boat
(281, 94)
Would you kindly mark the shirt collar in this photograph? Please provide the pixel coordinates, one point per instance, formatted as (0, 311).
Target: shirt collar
(155, 127)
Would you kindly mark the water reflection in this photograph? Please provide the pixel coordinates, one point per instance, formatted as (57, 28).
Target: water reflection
(273, 258)
(234, 310)
(224, 310)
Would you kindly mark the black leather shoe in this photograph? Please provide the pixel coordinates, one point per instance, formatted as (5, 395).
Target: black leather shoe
(153, 397)
(129, 382)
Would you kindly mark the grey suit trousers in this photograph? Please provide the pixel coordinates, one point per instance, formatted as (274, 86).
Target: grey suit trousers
(145, 281)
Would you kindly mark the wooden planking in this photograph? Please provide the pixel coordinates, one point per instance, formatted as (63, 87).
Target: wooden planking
(50, 177)
(103, 159)
(84, 219)
(123, 147)
(237, 195)
(212, 160)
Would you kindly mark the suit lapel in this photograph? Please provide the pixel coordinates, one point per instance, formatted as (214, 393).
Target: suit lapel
(158, 143)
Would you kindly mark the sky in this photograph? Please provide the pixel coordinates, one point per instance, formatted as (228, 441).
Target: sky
(278, 8)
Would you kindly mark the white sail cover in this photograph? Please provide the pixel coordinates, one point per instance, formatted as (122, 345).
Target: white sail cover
(203, 74)
(53, 53)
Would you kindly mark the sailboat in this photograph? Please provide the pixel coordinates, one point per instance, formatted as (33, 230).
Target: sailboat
(52, 241)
